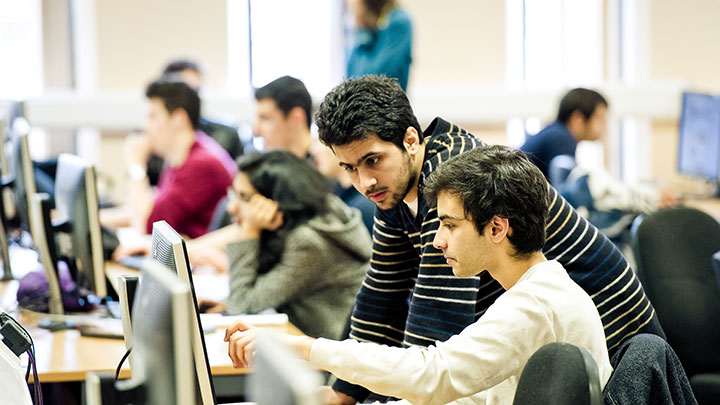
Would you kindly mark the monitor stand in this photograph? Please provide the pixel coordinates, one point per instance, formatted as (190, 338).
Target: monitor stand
(101, 388)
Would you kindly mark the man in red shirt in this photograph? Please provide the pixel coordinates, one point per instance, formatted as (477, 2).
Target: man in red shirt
(193, 180)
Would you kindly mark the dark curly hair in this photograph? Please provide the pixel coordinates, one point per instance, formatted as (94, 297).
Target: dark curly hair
(300, 191)
(361, 107)
(497, 180)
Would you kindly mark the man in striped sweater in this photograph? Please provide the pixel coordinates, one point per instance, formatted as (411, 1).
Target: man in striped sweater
(410, 296)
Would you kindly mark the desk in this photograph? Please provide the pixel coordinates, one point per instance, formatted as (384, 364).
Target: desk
(709, 206)
(66, 356)
(208, 286)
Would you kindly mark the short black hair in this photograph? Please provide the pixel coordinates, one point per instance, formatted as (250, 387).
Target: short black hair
(174, 95)
(583, 100)
(288, 93)
(363, 106)
(497, 180)
(178, 65)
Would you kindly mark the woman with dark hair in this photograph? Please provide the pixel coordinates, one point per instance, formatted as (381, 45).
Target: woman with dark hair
(301, 251)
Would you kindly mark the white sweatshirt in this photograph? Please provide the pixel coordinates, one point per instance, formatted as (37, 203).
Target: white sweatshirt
(485, 360)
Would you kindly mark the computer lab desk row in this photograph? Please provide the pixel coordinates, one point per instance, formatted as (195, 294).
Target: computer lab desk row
(66, 356)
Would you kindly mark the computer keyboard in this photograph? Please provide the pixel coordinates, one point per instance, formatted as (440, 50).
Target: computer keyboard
(113, 308)
(133, 262)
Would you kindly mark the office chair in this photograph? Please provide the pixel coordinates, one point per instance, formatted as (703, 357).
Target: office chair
(220, 216)
(559, 169)
(646, 370)
(573, 184)
(559, 373)
(674, 249)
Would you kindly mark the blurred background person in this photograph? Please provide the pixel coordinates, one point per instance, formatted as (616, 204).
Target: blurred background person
(227, 136)
(607, 202)
(193, 179)
(213, 135)
(382, 42)
(283, 116)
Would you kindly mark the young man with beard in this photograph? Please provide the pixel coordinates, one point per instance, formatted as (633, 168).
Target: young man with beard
(492, 205)
(410, 296)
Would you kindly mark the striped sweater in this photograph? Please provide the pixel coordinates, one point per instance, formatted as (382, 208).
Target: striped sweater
(410, 296)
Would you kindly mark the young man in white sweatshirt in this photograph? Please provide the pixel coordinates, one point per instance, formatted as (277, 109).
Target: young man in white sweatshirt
(492, 206)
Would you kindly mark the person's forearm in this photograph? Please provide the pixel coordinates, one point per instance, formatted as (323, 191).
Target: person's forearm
(302, 345)
(218, 239)
(141, 203)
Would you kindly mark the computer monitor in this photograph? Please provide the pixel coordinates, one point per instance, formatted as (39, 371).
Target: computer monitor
(6, 182)
(169, 249)
(44, 240)
(127, 286)
(163, 332)
(162, 346)
(24, 177)
(76, 204)
(279, 377)
(699, 140)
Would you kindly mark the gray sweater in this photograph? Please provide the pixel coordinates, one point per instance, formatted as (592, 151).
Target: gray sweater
(317, 277)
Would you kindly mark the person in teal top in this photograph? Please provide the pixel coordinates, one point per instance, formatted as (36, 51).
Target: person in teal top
(383, 40)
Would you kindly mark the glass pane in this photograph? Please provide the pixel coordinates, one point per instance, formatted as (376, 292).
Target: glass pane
(21, 50)
(302, 39)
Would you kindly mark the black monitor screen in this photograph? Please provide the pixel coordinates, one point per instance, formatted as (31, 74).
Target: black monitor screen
(76, 204)
(162, 336)
(168, 248)
(699, 144)
(24, 176)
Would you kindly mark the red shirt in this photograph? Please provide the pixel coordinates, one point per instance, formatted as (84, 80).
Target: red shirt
(214, 147)
(188, 194)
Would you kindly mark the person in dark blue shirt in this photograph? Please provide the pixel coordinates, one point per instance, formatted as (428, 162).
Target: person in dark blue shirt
(582, 116)
(382, 40)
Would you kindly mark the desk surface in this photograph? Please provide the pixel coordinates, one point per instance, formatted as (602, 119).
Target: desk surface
(64, 356)
(709, 206)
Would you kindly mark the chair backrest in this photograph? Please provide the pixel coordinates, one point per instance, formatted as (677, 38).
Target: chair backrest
(559, 373)
(559, 169)
(220, 216)
(647, 371)
(673, 249)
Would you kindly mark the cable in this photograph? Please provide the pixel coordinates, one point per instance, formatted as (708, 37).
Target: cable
(125, 356)
(31, 360)
(27, 372)
(38, 391)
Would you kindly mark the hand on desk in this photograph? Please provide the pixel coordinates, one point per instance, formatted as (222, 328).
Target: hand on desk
(241, 343)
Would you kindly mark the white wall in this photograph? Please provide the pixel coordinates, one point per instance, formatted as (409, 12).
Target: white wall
(458, 69)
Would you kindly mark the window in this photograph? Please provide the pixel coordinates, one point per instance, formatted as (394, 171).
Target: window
(553, 45)
(20, 46)
(287, 37)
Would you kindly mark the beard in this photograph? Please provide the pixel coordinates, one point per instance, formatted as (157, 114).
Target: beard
(406, 180)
